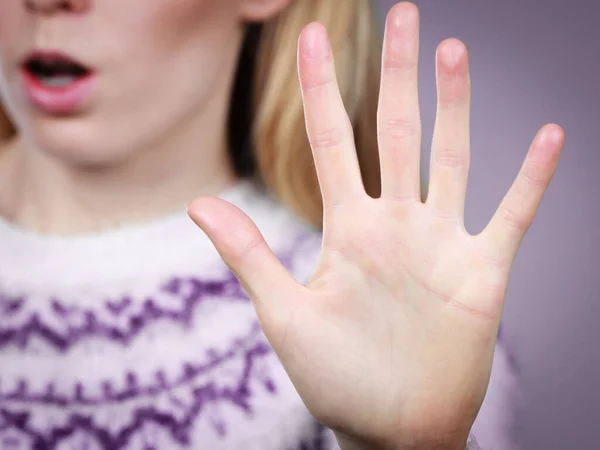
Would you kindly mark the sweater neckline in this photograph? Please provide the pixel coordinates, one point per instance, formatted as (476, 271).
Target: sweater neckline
(29, 238)
(168, 245)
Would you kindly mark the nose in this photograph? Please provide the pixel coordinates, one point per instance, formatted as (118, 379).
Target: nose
(53, 6)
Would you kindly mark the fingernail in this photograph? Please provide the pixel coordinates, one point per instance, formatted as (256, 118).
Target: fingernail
(452, 53)
(316, 43)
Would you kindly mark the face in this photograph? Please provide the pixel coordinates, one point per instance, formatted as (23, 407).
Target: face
(94, 80)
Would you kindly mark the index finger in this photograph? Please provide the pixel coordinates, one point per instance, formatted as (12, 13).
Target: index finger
(327, 123)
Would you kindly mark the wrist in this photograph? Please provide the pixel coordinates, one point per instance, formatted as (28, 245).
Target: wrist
(351, 443)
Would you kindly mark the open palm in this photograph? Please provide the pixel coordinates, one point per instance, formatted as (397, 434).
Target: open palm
(391, 342)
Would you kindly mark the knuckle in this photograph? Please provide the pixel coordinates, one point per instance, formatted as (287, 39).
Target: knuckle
(400, 129)
(248, 250)
(514, 219)
(317, 84)
(445, 215)
(532, 181)
(398, 66)
(447, 101)
(328, 137)
(451, 157)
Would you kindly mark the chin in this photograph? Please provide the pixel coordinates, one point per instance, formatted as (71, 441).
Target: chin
(76, 141)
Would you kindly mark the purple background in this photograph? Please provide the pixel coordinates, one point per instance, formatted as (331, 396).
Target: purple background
(534, 62)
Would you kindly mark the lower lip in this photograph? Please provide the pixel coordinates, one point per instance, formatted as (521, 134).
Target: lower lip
(58, 100)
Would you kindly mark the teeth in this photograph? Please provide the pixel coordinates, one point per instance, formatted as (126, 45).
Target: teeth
(57, 81)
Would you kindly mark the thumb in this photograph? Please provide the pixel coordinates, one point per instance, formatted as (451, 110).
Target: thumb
(245, 251)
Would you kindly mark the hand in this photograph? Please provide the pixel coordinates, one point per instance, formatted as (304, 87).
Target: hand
(391, 342)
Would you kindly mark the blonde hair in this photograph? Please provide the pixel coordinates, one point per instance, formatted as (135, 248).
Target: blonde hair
(266, 125)
(281, 146)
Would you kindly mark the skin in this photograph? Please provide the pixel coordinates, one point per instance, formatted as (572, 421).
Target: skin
(391, 342)
(152, 135)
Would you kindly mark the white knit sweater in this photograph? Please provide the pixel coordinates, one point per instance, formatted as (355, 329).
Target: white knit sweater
(141, 338)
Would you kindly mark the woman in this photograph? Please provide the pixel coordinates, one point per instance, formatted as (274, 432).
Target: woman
(122, 328)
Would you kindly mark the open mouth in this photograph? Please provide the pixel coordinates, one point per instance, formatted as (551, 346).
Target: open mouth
(55, 71)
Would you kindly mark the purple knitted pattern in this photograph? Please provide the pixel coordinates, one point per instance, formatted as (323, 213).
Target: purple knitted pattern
(17, 403)
(49, 418)
(187, 294)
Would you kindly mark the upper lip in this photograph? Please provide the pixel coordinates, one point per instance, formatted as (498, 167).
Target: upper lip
(53, 56)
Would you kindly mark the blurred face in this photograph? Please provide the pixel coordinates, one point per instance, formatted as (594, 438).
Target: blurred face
(95, 80)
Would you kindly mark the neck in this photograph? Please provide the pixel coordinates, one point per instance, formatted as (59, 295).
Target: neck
(45, 194)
